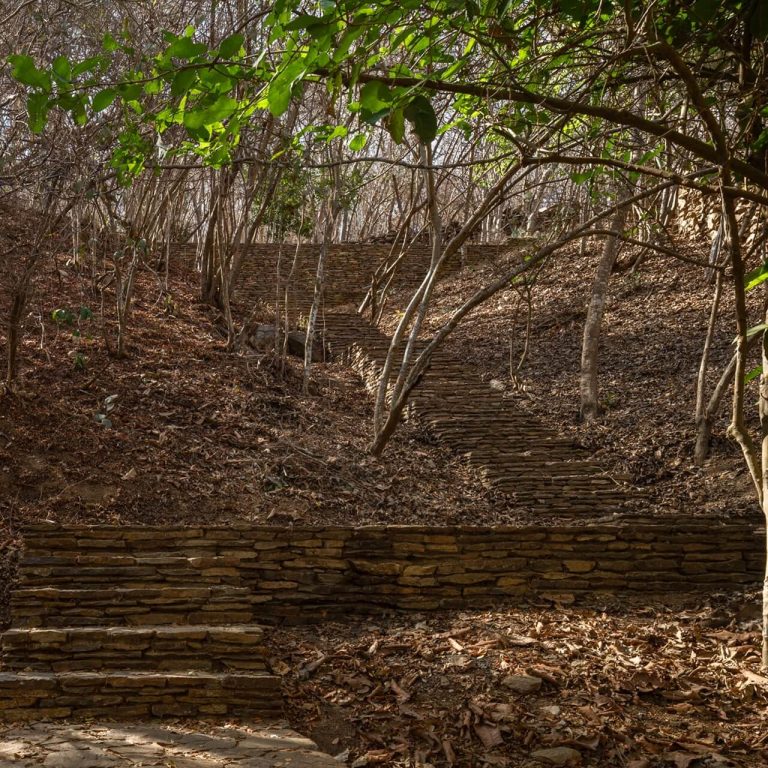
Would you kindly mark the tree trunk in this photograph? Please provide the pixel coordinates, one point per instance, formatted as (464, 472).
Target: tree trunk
(763, 410)
(14, 332)
(590, 406)
(703, 418)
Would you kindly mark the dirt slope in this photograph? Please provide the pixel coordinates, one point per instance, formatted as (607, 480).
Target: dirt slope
(653, 333)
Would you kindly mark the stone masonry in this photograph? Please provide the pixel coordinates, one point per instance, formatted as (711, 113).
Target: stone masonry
(142, 622)
(538, 468)
(150, 622)
(115, 652)
(259, 574)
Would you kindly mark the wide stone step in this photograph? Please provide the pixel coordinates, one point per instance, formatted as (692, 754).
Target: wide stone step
(26, 696)
(166, 648)
(53, 607)
(64, 568)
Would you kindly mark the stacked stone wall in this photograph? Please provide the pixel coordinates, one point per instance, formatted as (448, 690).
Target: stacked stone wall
(130, 695)
(172, 649)
(349, 267)
(307, 574)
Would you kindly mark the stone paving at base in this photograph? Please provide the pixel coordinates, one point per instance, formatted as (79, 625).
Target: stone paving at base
(121, 745)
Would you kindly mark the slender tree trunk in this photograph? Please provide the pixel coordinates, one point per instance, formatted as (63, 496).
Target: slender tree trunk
(14, 333)
(763, 410)
(590, 406)
(704, 416)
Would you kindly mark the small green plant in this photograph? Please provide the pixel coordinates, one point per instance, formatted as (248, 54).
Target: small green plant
(76, 321)
(169, 305)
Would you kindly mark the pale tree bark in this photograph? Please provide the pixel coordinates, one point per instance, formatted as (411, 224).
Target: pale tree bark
(331, 214)
(386, 420)
(705, 414)
(422, 361)
(590, 348)
(763, 410)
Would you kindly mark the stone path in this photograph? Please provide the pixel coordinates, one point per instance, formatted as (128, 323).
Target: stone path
(122, 745)
(512, 449)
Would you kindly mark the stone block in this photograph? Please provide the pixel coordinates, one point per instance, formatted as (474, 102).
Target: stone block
(378, 568)
(580, 566)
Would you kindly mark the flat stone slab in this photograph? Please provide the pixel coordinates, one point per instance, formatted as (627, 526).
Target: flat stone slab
(153, 745)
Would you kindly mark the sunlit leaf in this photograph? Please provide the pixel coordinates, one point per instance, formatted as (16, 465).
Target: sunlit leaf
(103, 99)
(756, 276)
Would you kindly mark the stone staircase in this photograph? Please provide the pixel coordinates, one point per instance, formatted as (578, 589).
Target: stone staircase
(514, 451)
(141, 623)
(100, 634)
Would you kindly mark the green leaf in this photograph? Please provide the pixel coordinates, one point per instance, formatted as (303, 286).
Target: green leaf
(756, 276)
(87, 65)
(61, 68)
(182, 82)
(303, 21)
(231, 45)
(79, 114)
(396, 125)
(281, 87)
(339, 132)
(753, 374)
(217, 112)
(109, 44)
(358, 142)
(221, 109)
(278, 98)
(24, 71)
(103, 99)
(37, 109)
(579, 177)
(421, 115)
(375, 97)
(755, 329)
(153, 86)
(185, 48)
(129, 91)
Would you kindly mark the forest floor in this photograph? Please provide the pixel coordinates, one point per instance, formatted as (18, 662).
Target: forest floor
(652, 336)
(199, 435)
(631, 685)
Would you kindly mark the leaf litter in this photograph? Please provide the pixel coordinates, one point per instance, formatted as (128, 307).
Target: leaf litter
(617, 685)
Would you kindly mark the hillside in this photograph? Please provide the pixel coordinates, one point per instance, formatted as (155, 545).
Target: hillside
(652, 337)
(199, 435)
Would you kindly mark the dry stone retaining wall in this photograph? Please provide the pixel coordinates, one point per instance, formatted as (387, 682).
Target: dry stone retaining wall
(306, 574)
(35, 696)
(348, 270)
(158, 648)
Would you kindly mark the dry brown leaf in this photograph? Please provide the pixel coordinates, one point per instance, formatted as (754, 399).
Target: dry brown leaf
(490, 735)
(521, 641)
(401, 694)
(309, 668)
(450, 755)
(681, 759)
(753, 677)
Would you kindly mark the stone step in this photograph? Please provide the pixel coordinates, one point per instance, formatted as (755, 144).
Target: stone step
(53, 607)
(163, 648)
(62, 744)
(26, 696)
(64, 568)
